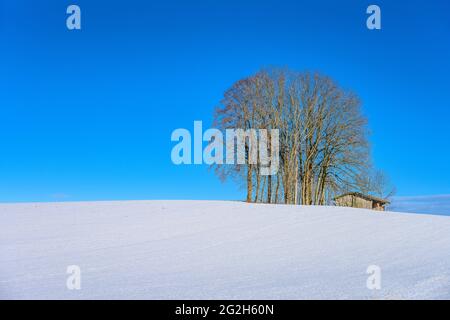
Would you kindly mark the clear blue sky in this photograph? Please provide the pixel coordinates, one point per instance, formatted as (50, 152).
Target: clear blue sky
(87, 115)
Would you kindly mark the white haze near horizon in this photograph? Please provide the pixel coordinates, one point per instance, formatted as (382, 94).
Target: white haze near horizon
(433, 204)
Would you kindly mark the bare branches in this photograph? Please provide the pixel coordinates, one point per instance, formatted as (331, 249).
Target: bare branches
(323, 135)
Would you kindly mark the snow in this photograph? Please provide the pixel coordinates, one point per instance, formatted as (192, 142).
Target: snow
(219, 250)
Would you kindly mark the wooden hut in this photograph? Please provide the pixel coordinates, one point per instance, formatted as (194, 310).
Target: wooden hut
(359, 200)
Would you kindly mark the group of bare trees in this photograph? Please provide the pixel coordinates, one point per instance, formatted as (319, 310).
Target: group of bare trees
(322, 136)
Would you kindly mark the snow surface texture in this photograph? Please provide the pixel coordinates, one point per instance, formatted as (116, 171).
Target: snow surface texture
(219, 250)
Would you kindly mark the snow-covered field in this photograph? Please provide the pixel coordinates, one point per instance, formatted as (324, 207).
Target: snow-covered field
(219, 250)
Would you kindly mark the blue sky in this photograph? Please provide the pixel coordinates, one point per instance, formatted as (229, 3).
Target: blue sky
(88, 114)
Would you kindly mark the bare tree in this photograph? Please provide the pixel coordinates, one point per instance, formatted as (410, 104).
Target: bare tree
(380, 185)
(323, 136)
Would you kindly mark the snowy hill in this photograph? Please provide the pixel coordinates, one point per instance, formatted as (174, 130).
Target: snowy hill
(219, 250)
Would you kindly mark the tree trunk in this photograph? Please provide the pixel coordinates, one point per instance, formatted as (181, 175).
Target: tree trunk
(249, 183)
